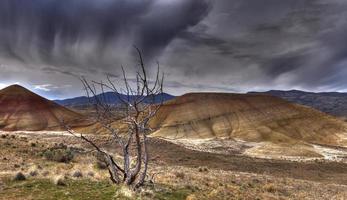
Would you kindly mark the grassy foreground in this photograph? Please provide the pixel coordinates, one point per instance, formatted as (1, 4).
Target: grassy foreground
(44, 189)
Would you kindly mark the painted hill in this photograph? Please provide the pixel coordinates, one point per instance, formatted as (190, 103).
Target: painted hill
(248, 117)
(333, 103)
(20, 109)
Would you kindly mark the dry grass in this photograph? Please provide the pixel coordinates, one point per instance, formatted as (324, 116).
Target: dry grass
(218, 184)
(189, 174)
(59, 181)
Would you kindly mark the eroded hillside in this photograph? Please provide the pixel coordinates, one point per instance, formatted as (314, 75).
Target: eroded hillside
(275, 124)
(21, 109)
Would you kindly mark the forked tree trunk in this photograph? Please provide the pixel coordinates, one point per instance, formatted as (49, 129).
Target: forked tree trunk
(139, 109)
(145, 161)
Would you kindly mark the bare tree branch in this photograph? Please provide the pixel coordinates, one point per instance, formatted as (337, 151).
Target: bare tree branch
(138, 104)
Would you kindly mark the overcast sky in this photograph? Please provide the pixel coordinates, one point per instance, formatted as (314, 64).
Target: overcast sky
(201, 45)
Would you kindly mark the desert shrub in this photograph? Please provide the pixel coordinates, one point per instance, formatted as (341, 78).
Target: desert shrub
(59, 181)
(203, 169)
(101, 165)
(100, 161)
(3, 136)
(59, 154)
(33, 173)
(19, 177)
(33, 144)
(24, 151)
(34, 170)
(180, 175)
(77, 174)
(269, 187)
(45, 173)
(91, 174)
(7, 143)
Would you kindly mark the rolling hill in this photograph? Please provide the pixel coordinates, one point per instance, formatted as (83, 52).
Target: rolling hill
(267, 124)
(252, 118)
(20, 109)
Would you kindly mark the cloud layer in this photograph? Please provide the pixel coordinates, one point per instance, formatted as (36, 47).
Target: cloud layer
(224, 45)
(80, 33)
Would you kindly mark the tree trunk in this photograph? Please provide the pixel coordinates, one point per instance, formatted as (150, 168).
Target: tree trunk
(145, 161)
(133, 174)
(112, 170)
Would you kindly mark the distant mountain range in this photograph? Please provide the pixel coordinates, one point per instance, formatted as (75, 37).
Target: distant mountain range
(333, 103)
(109, 98)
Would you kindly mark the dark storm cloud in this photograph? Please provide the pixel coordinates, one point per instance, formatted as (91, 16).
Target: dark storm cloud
(269, 44)
(88, 32)
(200, 39)
(218, 45)
(283, 64)
(59, 71)
(160, 27)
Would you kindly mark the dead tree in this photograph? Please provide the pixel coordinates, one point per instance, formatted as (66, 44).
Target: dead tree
(139, 99)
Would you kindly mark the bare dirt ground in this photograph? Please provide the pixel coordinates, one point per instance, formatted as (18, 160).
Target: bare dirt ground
(179, 172)
(294, 152)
